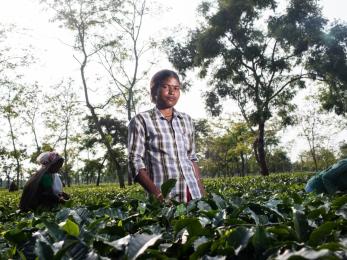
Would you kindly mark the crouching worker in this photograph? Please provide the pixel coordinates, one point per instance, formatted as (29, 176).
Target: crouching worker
(44, 189)
(330, 180)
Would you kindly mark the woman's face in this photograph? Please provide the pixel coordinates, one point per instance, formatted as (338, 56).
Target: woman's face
(168, 93)
(56, 166)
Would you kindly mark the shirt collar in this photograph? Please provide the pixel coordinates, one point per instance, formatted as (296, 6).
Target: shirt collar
(160, 115)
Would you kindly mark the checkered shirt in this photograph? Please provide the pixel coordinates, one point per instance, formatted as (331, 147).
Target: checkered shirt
(166, 149)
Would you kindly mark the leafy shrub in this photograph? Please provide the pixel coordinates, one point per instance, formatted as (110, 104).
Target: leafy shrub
(241, 218)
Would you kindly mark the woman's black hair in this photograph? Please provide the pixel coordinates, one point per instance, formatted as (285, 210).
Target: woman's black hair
(158, 79)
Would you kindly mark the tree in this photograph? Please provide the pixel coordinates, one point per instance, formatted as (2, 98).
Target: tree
(325, 158)
(343, 151)
(9, 109)
(90, 169)
(61, 117)
(116, 132)
(227, 153)
(317, 128)
(122, 58)
(329, 61)
(216, 161)
(239, 144)
(254, 54)
(279, 161)
(203, 132)
(32, 104)
(100, 28)
(12, 60)
(6, 165)
(88, 20)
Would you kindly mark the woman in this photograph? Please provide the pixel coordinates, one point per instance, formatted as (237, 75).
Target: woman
(161, 143)
(44, 189)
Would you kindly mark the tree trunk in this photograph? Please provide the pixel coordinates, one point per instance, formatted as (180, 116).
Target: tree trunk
(95, 118)
(242, 164)
(238, 170)
(15, 151)
(314, 157)
(246, 165)
(65, 173)
(99, 172)
(38, 148)
(259, 150)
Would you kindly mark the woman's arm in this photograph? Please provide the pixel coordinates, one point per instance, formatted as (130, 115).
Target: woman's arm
(143, 178)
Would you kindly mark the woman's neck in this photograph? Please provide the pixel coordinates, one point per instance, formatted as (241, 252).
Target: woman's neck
(167, 112)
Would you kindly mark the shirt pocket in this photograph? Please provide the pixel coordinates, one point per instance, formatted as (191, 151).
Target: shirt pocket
(186, 139)
(154, 142)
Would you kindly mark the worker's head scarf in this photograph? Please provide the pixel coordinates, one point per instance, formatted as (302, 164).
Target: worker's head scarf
(47, 157)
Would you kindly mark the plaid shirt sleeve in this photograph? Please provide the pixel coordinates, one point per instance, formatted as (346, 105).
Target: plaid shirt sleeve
(136, 145)
(193, 156)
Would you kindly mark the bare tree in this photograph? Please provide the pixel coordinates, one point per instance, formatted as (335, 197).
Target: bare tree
(316, 127)
(89, 21)
(9, 108)
(122, 58)
(12, 59)
(31, 113)
(61, 114)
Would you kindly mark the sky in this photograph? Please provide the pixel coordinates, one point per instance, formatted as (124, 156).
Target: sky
(56, 61)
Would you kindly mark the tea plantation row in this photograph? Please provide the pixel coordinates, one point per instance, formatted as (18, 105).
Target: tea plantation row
(241, 218)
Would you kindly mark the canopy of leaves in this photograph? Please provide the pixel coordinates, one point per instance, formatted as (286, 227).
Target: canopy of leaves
(259, 54)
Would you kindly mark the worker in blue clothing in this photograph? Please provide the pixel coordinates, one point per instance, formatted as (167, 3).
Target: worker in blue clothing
(331, 180)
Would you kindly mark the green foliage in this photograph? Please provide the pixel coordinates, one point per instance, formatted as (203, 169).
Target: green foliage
(329, 60)
(259, 55)
(167, 186)
(243, 218)
(279, 161)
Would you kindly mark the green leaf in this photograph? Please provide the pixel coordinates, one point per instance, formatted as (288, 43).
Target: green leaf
(218, 201)
(53, 230)
(79, 251)
(342, 212)
(68, 244)
(320, 234)
(303, 253)
(239, 238)
(260, 240)
(192, 225)
(201, 246)
(141, 207)
(139, 243)
(70, 227)
(202, 205)
(253, 215)
(43, 250)
(332, 246)
(167, 186)
(283, 232)
(180, 210)
(62, 214)
(339, 202)
(17, 236)
(120, 244)
(301, 226)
